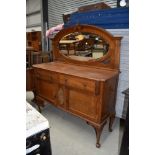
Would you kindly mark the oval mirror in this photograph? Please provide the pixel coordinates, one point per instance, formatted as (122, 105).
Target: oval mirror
(83, 46)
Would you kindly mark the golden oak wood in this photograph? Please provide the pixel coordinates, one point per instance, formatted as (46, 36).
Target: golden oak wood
(86, 89)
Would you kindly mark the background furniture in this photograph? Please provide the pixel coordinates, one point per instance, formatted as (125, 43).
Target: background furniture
(68, 45)
(29, 50)
(33, 39)
(33, 57)
(29, 70)
(86, 89)
(29, 79)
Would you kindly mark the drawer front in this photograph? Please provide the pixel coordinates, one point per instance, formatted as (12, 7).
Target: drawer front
(79, 83)
(46, 75)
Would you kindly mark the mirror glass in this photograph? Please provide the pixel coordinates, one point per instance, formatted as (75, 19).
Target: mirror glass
(83, 46)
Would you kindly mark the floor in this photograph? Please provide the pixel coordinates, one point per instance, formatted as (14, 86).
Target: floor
(71, 135)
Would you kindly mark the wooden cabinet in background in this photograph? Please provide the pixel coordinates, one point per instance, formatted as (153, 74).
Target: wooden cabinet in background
(33, 39)
(86, 89)
(29, 79)
(33, 57)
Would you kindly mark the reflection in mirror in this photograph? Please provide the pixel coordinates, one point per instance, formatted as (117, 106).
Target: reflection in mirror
(83, 46)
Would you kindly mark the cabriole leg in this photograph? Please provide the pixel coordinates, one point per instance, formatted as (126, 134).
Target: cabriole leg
(98, 131)
(98, 135)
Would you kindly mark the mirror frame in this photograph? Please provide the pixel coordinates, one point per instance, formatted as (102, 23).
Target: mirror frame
(109, 60)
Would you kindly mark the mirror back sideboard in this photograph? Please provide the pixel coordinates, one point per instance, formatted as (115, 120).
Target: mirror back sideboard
(86, 89)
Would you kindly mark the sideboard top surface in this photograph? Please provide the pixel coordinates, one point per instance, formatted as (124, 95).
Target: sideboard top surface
(76, 70)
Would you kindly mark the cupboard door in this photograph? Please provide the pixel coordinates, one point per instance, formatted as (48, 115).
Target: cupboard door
(47, 90)
(83, 104)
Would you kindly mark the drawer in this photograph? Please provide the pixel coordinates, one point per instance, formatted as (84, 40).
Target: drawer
(80, 83)
(46, 75)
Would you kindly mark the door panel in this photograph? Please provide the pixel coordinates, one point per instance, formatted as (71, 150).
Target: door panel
(83, 104)
(47, 90)
(61, 97)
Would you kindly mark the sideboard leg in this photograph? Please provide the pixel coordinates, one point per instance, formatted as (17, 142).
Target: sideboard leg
(98, 135)
(39, 108)
(37, 101)
(111, 121)
(98, 131)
